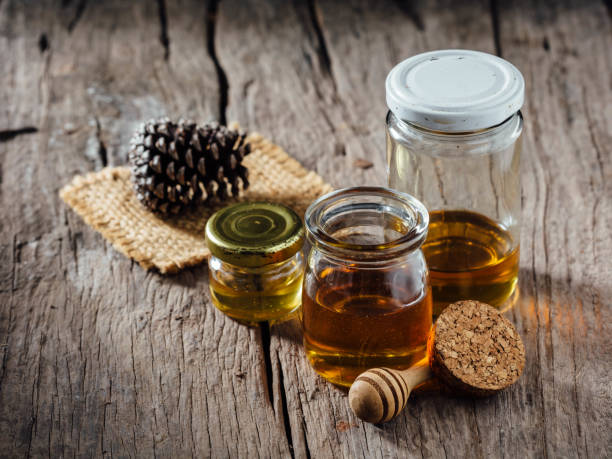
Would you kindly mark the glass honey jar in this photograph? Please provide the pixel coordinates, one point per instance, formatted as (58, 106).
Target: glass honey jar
(256, 265)
(454, 141)
(366, 300)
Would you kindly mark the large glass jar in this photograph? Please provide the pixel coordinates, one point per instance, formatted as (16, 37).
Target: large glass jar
(454, 141)
(366, 300)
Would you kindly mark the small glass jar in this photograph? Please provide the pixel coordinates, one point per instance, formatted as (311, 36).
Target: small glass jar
(366, 299)
(256, 267)
(454, 141)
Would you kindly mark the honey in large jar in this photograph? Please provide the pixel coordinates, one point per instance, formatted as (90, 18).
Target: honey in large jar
(361, 319)
(469, 257)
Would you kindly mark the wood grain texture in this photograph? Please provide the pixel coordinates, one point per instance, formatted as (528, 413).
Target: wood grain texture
(100, 358)
(565, 310)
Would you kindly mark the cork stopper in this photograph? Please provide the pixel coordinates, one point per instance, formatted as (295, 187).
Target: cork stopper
(474, 349)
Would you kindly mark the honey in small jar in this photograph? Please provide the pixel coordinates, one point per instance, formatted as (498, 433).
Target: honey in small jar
(256, 267)
(366, 297)
(364, 322)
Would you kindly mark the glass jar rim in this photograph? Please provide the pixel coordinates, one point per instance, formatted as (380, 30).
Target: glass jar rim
(406, 207)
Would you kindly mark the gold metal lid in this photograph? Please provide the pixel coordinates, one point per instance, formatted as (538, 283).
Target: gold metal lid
(252, 234)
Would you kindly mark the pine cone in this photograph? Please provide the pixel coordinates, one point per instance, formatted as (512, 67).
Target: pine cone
(179, 165)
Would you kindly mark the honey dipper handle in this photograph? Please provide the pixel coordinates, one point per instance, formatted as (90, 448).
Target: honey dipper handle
(380, 394)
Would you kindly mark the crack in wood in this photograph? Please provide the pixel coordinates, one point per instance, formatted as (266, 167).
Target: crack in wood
(438, 173)
(440, 439)
(31, 435)
(5, 345)
(322, 49)
(246, 88)
(494, 10)
(493, 184)
(135, 388)
(409, 8)
(340, 149)
(591, 124)
(80, 9)
(417, 416)
(264, 329)
(163, 22)
(106, 404)
(536, 313)
(576, 382)
(326, 65)
(211, 23)
(10, 134)
(477, 431)
(43, 42)
(16, 253)
(285, 410)
(306, 442)
(102, 153)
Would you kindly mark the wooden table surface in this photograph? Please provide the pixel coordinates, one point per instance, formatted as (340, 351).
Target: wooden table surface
(101, 358)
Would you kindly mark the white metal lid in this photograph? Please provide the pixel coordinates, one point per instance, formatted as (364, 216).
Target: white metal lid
(455, 90)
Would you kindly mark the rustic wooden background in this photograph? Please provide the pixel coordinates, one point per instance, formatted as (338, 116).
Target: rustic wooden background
(100, 358)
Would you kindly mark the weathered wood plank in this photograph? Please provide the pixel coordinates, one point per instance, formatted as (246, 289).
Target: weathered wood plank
(358, 50)
(101, 357)
(350, 50)
(563, 50)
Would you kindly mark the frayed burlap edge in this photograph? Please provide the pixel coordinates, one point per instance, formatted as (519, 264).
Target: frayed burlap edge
(106, 202)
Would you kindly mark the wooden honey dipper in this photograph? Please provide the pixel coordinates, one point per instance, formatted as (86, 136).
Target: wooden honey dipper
(472, 348)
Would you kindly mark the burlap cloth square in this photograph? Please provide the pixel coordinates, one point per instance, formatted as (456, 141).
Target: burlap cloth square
(106, 201)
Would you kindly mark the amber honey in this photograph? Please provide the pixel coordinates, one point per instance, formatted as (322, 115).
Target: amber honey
(361, 320)
(469, 257)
